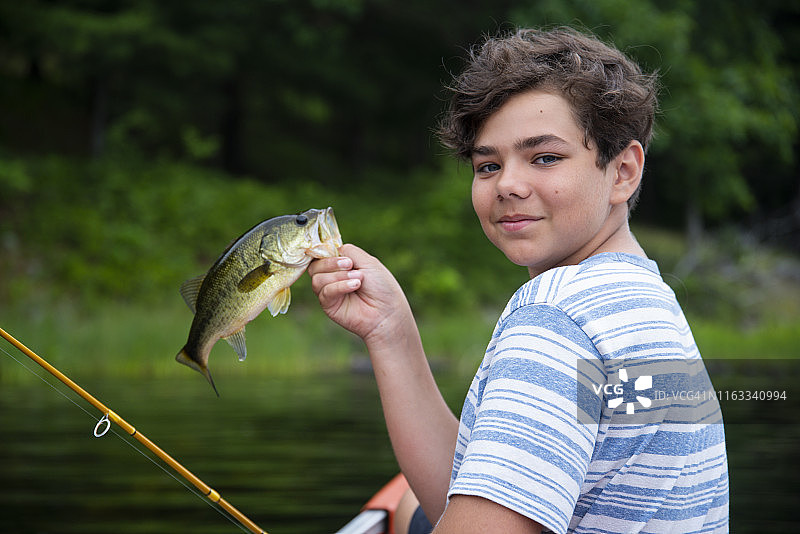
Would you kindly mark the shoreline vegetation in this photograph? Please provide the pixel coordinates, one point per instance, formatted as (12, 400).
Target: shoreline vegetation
(140, 341)
(92, 284)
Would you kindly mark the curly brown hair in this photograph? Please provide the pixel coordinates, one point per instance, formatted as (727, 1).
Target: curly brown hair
(614, 102)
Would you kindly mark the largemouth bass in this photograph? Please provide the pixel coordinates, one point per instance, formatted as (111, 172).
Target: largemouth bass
(253, 273)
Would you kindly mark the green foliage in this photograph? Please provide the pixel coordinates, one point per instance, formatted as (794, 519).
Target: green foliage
(736, 282)
(103, 230)
(14, 177)
(323, 90)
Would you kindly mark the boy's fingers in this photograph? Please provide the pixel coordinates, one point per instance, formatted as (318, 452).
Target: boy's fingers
(328, 265)
(323, 279)
(332, 292)
(359, 257)
(333, 278)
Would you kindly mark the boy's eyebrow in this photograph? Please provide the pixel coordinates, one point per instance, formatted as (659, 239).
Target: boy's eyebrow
(483, 150)
(522, 144)
(533, 142)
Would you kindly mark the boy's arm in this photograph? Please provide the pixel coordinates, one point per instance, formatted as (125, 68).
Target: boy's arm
(467, 514)
(421, 426)
(360, 294)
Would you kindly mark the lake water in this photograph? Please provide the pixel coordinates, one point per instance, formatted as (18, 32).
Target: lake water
(296, 455)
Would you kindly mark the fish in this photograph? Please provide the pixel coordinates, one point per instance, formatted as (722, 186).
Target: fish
(254, 273)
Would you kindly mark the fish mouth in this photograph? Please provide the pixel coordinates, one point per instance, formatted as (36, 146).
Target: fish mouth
(324, 234)
(329, 228)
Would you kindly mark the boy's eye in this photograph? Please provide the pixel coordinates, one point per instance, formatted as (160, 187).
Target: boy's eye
(487, 167)
(547, 159)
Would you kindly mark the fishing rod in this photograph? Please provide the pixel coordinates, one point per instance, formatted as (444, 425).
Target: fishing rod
(109, 416)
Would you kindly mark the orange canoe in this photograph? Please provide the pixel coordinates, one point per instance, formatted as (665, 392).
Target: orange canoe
(377, 515)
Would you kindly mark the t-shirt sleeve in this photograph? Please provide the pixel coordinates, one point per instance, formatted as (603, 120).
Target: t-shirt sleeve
(528, 448)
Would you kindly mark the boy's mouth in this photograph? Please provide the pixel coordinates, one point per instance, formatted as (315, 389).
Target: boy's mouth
(516, 222)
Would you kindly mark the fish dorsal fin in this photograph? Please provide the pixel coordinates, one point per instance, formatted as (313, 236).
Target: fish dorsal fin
(280, 302)
(190, 290)
(254, 278)
(238, 342)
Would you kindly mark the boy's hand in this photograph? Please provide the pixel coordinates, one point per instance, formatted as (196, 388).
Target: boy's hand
(360, 294)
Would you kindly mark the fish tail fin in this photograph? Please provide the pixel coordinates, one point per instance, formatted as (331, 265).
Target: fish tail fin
(184, 358)
(207, 374)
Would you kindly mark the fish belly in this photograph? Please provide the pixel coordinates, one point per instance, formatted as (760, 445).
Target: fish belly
(241, 308)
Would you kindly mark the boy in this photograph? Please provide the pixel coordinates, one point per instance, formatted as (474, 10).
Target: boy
(556, 125)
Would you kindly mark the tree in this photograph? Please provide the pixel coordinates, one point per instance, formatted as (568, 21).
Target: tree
(330, 90)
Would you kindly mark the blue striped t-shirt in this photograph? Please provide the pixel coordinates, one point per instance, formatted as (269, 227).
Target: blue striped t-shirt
(552, 424)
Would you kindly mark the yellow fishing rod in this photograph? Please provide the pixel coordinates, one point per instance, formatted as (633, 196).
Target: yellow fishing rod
(109, 416)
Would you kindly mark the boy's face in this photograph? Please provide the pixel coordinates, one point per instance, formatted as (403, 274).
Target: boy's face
(537, 190)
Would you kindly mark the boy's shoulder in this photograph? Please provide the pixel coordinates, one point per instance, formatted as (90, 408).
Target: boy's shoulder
(604, 276)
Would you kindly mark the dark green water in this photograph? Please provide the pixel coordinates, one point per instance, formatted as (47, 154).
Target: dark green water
(297, 455)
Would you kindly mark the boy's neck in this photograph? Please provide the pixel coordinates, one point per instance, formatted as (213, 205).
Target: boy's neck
(616, 237)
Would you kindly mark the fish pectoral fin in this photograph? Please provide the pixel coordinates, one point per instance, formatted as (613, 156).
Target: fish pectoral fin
(190, 289)
(238, 342)
(280, 302)
(254, 278)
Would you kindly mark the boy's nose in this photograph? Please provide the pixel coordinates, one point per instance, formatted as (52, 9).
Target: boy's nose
(512, 183)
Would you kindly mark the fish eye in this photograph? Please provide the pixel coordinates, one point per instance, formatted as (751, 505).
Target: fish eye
(301, 220)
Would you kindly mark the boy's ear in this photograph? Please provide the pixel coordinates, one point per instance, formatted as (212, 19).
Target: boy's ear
(628, 167)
